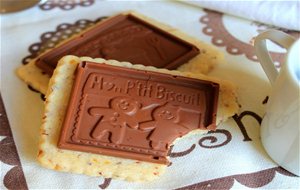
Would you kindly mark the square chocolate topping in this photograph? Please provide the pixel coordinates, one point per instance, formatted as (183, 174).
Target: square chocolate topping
(133, 113)
(124, 38)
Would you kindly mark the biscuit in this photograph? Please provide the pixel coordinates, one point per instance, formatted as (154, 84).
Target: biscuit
(57, 98)
(202, 63)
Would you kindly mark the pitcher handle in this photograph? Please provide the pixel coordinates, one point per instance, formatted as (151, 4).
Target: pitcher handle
(282, 39)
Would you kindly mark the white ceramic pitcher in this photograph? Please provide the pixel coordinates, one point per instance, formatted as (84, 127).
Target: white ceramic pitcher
(281, 124)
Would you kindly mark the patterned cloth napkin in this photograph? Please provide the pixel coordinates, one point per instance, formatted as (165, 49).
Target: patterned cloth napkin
(284, 14)
(230, 157)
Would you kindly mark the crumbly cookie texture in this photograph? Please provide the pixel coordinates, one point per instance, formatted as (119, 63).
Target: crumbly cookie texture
(57, 98)
(204, 62)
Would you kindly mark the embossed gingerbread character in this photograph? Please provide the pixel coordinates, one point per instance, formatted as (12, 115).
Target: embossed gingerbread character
(166, 126)
(121, 113)
(117, 117)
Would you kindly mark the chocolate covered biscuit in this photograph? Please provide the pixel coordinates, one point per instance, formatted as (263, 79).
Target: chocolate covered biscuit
(127, 37)
(160, 103)
(124, 38)
(133, 113)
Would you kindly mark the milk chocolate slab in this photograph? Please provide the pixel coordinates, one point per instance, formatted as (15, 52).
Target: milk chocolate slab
(134, 113)
(124, 38)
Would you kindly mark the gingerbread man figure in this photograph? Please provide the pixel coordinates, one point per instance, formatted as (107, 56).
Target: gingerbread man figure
(117, 117)
(122, 113)
(166, 126)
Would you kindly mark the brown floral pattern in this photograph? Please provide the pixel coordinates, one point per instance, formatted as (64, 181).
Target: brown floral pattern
(65, 4)
(14, 178)
(251, 180)
(214, 27)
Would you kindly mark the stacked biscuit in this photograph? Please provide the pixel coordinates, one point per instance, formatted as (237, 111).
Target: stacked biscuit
(58, 85)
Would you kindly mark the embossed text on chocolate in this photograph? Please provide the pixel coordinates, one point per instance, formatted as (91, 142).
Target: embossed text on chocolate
(138, 88)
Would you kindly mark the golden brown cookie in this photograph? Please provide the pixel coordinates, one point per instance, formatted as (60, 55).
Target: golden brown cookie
(57, 98)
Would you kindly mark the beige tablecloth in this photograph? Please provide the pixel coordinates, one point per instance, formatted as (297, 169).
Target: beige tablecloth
(231, 157)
